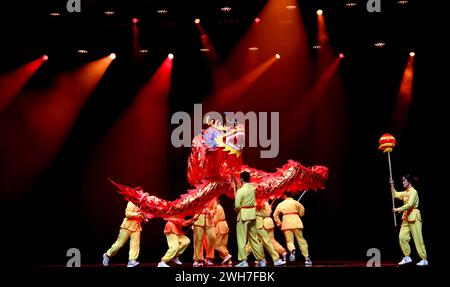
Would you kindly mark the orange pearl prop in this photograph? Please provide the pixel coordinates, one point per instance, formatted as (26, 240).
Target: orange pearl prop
(387, 143)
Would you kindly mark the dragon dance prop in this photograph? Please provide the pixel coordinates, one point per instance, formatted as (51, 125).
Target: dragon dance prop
(387, 143)
(214, 160)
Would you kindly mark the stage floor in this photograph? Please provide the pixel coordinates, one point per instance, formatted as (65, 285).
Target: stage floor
(296, 264)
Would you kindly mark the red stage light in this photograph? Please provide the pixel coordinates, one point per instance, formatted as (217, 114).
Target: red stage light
(135, 20)
(197, 21)
(170, 56)
(45, 57)
(341, 55)
(257, 20)
(319, 12)
(412, 54)
(112, 56)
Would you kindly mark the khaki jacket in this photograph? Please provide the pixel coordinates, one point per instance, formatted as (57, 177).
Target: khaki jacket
(292, 210)
(245, 202)
(410, 204)
(268, 222)
(219, 220)
(132, 220)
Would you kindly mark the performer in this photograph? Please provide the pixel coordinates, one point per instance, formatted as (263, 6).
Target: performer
(263, 236)
(292, 226)
(246, 221)
(411, 221)
(269, 226)
(176, 240)
(221, 233)
(130, 228)
(204, 226)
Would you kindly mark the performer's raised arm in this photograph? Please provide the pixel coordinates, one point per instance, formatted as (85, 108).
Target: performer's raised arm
(396, 194)
(301, 209)
(132, 213)
(276, 216)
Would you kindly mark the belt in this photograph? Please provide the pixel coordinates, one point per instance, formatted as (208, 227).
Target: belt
(290, 213)
(248, 206)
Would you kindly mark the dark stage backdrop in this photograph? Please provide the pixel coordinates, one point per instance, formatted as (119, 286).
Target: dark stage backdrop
(70, 204)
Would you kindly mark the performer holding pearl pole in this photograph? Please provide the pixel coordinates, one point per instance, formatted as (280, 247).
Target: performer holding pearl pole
(411, 221)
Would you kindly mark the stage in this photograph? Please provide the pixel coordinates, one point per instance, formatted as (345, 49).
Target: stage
(303, 93)
(316, 264)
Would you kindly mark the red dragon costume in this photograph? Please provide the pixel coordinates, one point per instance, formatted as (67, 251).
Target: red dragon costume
(214, 159)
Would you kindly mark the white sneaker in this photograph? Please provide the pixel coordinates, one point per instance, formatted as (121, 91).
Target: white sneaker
(262, 263)
(284, 255)
(163, 264)
(197, 264)
(292, 256)
(308, 262)
(132, 263)
(208, 262)
(422, 262)
(405, 260)
(279, 262)
(242, 264)
(105, 259)
(225, 260)
(176, 260)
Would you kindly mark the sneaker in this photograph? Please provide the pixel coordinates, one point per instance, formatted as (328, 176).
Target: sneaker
(242, 264)
(226, 259)
(292, 256)
(284, 255)
(279, 262)
(230, 262)
(422, 262)
(176, 260)
(256, 263)
(197, 264)
(262, 263)
(163, 264)
(405, 260)
(106, 259)
(132, 263)
(308, 261)
(208, 262)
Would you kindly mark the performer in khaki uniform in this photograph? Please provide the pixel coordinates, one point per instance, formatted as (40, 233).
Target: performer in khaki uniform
(246, 222)
(269, 226)
(292, 226)
(176, 240)
(264, 236)
(221, 233)
(204, 226)
(130, 228)
(411, 221)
